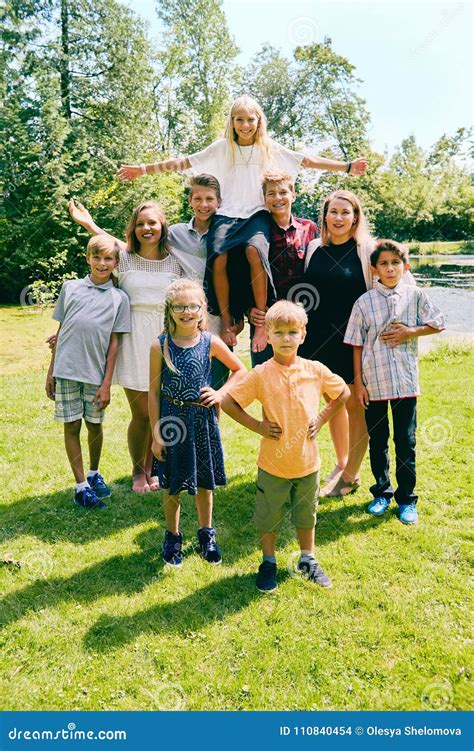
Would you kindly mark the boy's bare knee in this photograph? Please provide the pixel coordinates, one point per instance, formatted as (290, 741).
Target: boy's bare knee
(94, 427)
(73, 428)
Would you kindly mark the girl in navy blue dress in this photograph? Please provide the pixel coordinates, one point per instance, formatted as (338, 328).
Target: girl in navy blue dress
(183, 414)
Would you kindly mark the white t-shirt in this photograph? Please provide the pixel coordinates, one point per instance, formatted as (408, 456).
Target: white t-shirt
(240, 180)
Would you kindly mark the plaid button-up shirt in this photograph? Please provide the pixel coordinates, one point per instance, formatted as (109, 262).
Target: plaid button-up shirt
(390, 372)
(287, 253)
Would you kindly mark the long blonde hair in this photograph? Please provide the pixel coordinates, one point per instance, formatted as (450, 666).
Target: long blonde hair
(360, 231)
(175, 289)
(132, 242)
(261, 136)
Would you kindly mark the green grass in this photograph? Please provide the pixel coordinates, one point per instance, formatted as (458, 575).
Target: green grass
(93, 621)
(463, 247)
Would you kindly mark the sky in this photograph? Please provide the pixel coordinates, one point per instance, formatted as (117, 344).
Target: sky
(414, 58)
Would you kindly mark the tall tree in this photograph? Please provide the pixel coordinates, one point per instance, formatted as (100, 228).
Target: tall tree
(272, 80)
(330, 108)
(197, 71)
(78, 98)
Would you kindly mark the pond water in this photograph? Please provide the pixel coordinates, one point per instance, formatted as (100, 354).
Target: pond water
(444, 271)
(451, 286)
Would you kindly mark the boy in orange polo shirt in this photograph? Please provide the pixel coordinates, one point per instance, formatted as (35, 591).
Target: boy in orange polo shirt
(288, 388)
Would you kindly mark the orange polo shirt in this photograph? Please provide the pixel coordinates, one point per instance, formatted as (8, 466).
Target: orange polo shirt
(290, 397)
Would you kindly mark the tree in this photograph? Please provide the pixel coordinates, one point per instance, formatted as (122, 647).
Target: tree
(272, 80)
(197, 72)
(330, 108)
(78, 99)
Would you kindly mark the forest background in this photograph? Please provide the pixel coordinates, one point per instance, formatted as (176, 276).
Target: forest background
(85, 90)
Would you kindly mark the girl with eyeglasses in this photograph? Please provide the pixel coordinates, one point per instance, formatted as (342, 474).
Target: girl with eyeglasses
(183, 412)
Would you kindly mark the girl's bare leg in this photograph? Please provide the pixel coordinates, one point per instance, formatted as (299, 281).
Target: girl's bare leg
(259, 282)
(171, 507)
(221, 288)
(204, 507)
(139, 439)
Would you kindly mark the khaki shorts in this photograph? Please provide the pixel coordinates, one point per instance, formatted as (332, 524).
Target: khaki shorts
(73, 401)
(273, 493)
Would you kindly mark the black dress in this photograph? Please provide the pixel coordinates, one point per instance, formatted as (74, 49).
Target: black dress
(335, 271)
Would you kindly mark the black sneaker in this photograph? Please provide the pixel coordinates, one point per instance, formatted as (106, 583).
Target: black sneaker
(266, 577)
(172, 544)
(312, 571)
(208, 546)
(98, 486)
(88, 498)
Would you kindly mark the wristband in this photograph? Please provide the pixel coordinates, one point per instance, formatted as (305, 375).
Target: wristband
(348, 167)
(143, 168)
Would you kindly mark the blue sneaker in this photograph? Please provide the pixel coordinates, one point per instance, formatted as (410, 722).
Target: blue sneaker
(98, 486)
(266, 577)
(408, 513)
(88, 498)
(208, 545)
(378, 506)
(172, 554)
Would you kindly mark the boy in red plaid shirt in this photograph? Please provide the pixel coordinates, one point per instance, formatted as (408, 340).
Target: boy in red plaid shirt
(289, 240)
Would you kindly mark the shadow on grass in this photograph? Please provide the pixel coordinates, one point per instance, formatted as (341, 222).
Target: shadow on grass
(121, 574)
(347, 519)
(207, 605)
(56, 518)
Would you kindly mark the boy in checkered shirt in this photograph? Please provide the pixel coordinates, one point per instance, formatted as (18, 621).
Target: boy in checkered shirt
(383, 329)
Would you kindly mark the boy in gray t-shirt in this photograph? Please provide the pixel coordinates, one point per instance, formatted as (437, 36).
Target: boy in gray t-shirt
(91, 313)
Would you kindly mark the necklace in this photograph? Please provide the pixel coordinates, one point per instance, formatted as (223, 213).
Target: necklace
(246, 163)
(186, 338)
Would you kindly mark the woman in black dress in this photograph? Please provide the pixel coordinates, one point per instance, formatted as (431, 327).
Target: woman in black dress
(337, 273)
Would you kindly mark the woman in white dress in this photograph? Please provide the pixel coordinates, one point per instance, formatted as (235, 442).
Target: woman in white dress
(145, 270)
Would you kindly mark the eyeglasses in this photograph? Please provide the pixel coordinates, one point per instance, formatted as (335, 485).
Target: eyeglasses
(193, 308)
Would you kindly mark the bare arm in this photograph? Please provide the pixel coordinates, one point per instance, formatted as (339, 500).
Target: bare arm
(329, 410)
(132, 171)
(156, 364)
(82, 216)
(262, 427)
(361, 393)
(50, 385)
(102, 397)
(357, 167)
(219, 350)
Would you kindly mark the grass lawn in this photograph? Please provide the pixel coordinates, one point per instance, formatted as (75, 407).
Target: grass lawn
(93, 621)
(463, 247)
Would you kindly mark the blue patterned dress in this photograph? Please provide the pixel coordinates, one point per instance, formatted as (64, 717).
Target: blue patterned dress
(194, 457)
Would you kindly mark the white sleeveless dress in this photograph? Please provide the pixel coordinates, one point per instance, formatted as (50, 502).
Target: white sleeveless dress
(145, 283)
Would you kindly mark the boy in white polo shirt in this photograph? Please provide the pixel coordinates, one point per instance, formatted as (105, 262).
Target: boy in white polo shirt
(289, 388)
(92, 313)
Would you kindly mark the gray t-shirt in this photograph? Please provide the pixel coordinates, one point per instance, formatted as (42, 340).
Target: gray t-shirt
(88, 314)
(189, 248)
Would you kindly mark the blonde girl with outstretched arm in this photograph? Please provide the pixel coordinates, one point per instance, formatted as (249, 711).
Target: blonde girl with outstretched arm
(242, 222)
